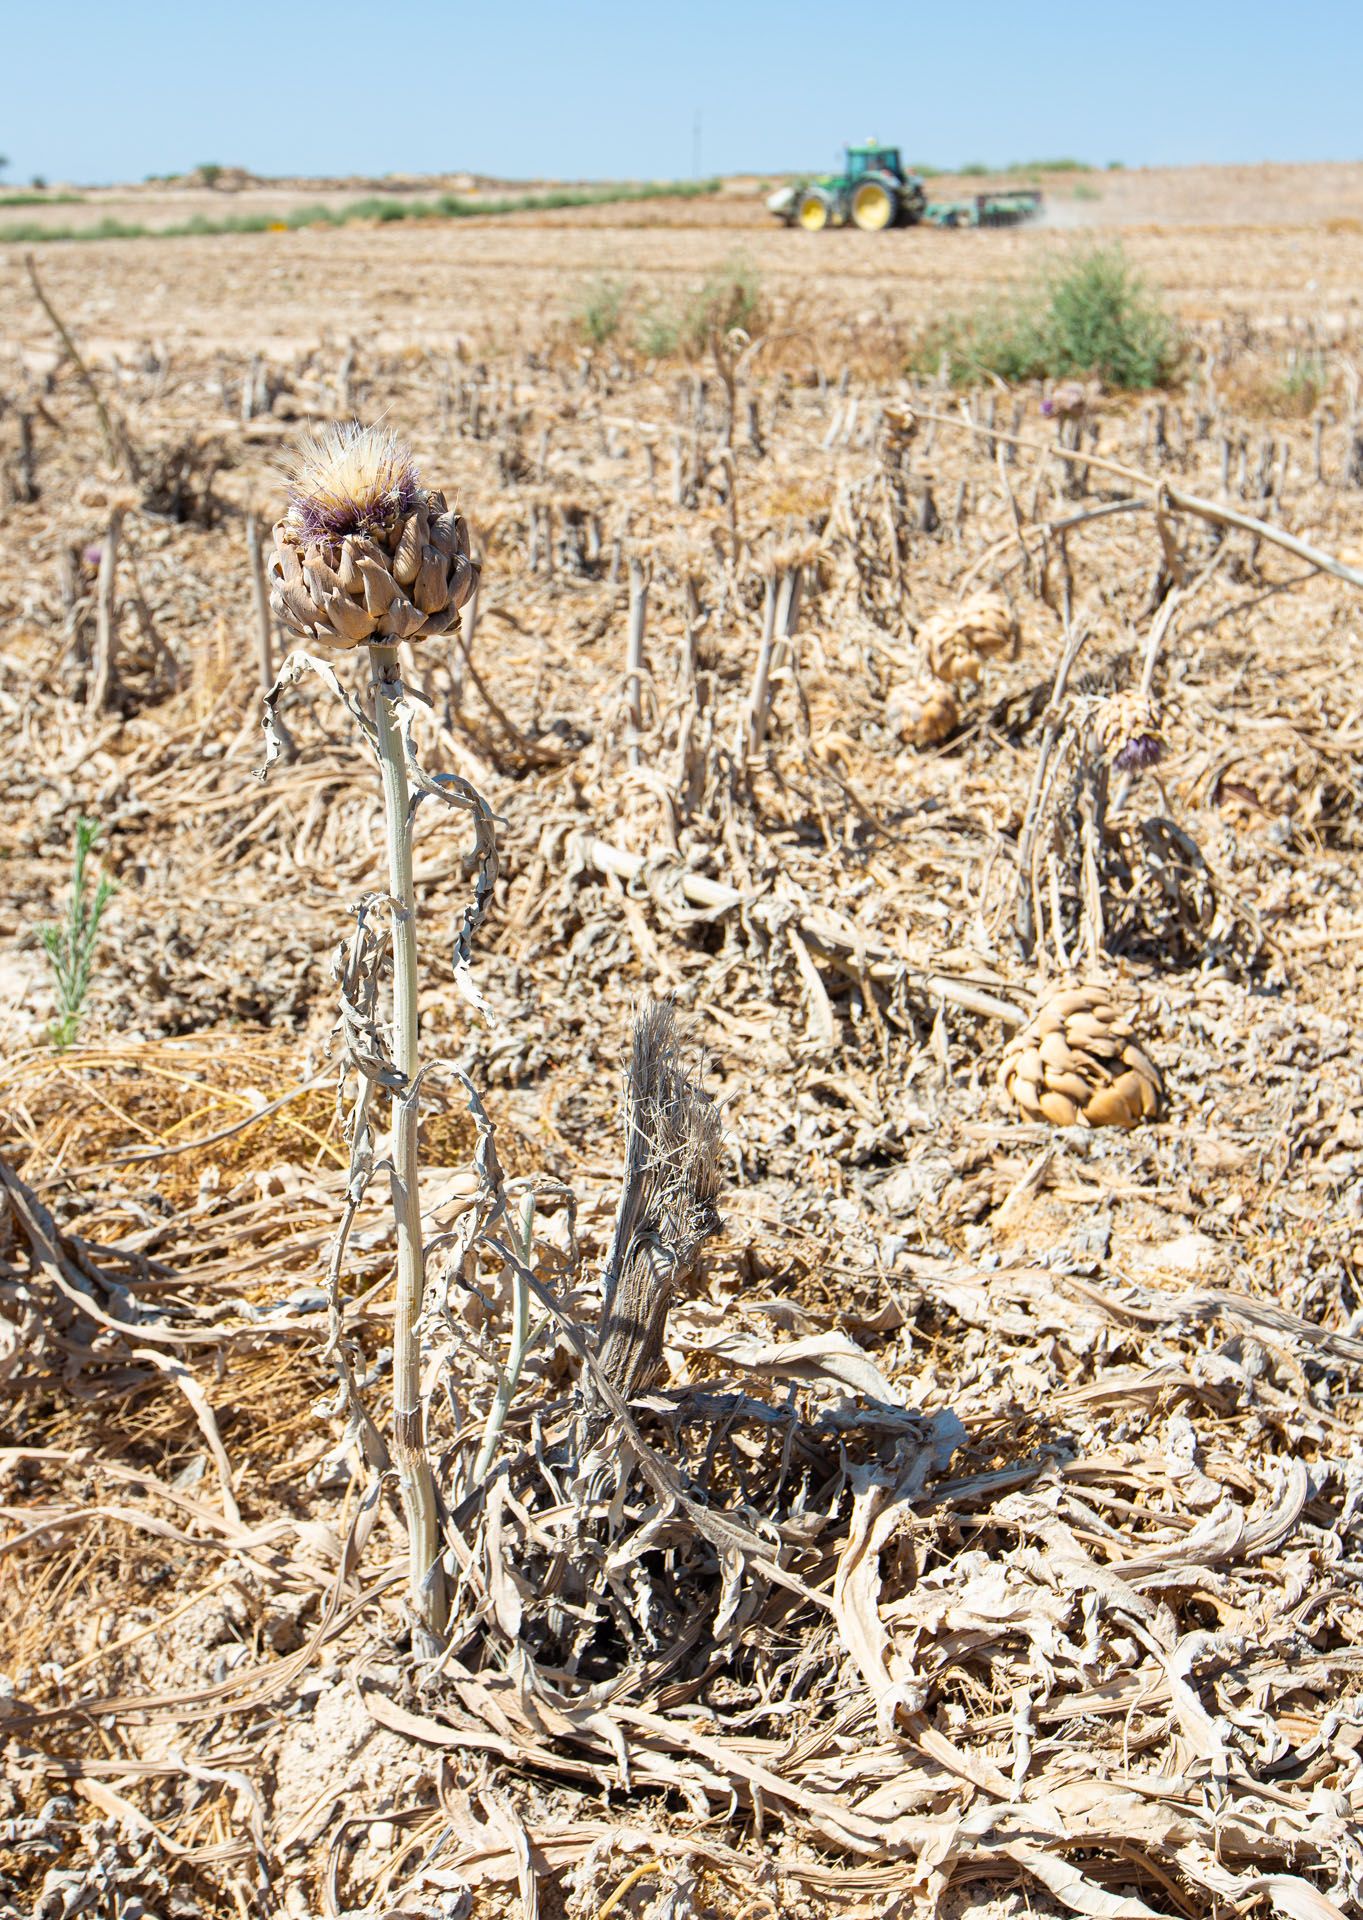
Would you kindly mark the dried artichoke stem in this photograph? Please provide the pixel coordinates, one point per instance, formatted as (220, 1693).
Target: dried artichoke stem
(1064, 849)
(1028, 918)
(426, 1580)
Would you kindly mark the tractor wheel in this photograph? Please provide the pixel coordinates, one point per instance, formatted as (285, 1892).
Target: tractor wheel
(875, 205)
(813, 212)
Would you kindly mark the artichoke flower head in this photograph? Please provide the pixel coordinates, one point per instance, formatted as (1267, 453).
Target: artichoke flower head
(365, 552)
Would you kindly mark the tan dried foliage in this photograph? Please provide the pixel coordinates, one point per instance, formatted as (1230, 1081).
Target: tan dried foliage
(1129, 727)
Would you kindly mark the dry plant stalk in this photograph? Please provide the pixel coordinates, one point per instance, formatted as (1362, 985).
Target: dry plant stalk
(780, 613)
(634, 655)
(365, 554)
(667, 1204)
(104, 667)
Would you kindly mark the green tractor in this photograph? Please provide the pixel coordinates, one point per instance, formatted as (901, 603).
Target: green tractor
(874, 192)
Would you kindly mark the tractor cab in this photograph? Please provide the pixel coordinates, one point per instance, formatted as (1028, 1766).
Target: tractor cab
(873, 158)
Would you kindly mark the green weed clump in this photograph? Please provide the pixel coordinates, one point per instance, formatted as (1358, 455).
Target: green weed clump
(1049, 166)
(730, 298)
(601, 309)
(1092, 316)
(70, 944)
(1292, 392)
(1304, 384)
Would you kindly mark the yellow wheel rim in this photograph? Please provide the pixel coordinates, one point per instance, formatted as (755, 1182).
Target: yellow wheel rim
(871, 208)
(813, 215)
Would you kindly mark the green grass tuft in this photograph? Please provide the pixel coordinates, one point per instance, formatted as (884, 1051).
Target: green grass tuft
(32, 199)
(731, 297)
(1049, 166)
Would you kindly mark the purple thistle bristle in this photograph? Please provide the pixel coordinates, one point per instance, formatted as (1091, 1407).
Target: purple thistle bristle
(353, 480)
(1141, 751)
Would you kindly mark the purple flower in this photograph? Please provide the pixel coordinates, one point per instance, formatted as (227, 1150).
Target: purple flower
(1142, 750)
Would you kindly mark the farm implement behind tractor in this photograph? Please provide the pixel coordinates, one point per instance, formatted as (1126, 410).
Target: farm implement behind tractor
(873, 192)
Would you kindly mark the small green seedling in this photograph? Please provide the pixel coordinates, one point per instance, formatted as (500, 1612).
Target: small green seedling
(70, 944)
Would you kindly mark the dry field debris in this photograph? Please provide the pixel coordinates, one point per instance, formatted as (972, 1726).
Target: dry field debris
(854, 1491)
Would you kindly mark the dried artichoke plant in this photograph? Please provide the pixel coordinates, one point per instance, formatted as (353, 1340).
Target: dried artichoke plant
(365, 556)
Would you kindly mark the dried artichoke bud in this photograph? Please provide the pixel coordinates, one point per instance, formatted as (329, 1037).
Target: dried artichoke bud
(956, 641)
(365, 553)
(1129, 732)
(1076, 1062)
(922, 713)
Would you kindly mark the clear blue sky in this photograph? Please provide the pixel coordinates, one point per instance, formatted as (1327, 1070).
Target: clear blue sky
(610, 88)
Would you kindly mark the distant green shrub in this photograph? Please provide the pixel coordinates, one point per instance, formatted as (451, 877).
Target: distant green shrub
(658, 333)
(1049, 166)
(449, 206)
(972, 167)
(1292, 392)
(1305, 381)
(1083, 191)
(312, 216)
(1093, 315)
(1116, 166)
(731, 297)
